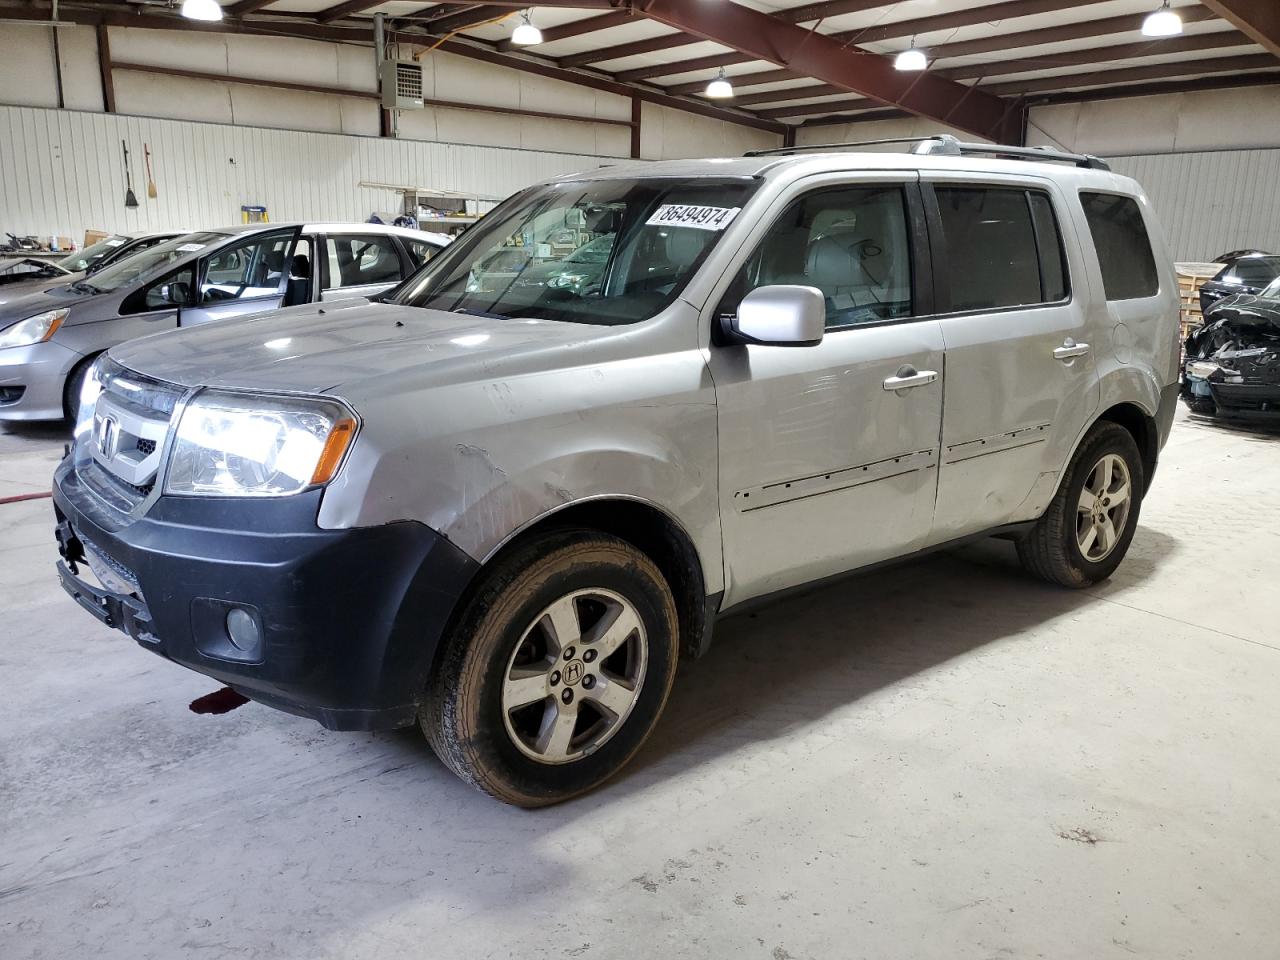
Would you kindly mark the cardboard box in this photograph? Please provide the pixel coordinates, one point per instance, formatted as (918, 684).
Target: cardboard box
(93, 236)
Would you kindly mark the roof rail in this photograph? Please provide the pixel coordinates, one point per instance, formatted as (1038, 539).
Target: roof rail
(945, 145)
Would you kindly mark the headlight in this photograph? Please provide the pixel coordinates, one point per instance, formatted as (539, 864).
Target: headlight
(35, 329)
(1204, 369)
(234, 445)
(89, 392)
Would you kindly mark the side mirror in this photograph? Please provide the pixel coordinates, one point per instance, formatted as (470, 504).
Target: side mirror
(177, 293)
(780, 316)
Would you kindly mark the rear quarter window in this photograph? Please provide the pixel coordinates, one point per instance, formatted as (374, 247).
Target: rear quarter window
(1123, 247)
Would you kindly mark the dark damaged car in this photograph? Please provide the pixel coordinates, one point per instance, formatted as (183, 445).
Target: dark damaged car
(1232, 368)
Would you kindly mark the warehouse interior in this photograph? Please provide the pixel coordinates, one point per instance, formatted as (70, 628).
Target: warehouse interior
(939, 756)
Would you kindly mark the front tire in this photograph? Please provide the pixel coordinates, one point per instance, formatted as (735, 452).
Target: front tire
(1086, 531)
(71, 392)
(556, 671)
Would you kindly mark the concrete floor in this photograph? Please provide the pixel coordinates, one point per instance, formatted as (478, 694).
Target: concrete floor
(944, 760)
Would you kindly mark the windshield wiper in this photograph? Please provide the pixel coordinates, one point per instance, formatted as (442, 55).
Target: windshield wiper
(81, 287)
(468, 311)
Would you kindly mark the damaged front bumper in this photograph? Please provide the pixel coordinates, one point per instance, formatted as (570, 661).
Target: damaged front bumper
(337, 625)
(1233, 370)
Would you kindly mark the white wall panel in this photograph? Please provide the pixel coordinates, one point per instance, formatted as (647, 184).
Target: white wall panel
(1211, 202)
(62, 171)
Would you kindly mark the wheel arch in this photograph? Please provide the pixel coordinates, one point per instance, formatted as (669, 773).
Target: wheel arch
(1142, 427)
(82, 364)
(651, 530)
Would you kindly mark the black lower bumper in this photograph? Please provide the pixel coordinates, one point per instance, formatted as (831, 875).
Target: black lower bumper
(349, 620)
(1233, 401)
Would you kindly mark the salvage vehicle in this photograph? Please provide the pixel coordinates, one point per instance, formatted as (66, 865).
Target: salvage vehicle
(50, 335)
(30, 270)
(502, 512)
(1233, 359)
(1248, 272)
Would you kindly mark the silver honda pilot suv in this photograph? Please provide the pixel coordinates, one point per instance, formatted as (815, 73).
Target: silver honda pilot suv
(503, 501)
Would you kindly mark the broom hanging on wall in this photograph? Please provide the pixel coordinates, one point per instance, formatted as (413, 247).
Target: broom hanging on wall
(151, 181)
(129, 199)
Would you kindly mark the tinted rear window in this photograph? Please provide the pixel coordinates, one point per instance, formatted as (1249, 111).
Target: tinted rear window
(1003, 248)
(1254, 271)
(1124, 250)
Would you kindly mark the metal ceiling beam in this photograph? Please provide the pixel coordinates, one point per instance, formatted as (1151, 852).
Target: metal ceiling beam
(740, 81)
(597, 81)
(815, 11)
(468, 18)
(1259, 19)
(1232, 81)
(791, 93)
(1183, 68)
(620, 50)
(338, 11)
(245, 6)
(816, 109)
(578, 27)
(1123, 51)
(1099, 55)
(1000, 42)
(1007, 10)
(762, 37)
(682, 66)
(832, 8)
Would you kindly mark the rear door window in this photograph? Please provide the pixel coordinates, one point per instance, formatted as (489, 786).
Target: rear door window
(1123, 247)
(1003, 248)
(362, 260)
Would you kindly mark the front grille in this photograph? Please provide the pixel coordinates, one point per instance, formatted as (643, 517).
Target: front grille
(131, 421)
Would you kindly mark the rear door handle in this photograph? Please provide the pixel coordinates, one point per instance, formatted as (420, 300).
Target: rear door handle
(1070, 350)
(908, 377)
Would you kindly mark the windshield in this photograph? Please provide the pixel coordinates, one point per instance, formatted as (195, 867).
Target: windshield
(1272, 292)
(148, 262)
(598, 251)
(83, 259)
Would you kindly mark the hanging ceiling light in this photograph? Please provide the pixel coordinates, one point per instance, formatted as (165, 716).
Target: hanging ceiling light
(526, 34)
(912, 59)
(720, 88)
(1163, 23)
(201, 10)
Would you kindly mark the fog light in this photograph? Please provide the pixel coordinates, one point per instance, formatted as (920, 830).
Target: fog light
(243, 630)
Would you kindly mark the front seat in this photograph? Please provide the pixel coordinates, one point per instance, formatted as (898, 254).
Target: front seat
(298, 289)
(837, 271)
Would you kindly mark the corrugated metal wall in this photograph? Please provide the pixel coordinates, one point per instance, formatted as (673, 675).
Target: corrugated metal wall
(63, 171)
(1212, 202)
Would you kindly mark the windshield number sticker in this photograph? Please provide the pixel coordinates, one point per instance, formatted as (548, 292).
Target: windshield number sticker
(115, 243)
(190, 247)
(688, 215)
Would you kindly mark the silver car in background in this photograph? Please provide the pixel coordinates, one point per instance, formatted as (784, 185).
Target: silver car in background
(50, 334)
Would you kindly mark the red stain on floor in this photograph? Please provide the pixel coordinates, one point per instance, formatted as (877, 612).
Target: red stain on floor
(220, 701)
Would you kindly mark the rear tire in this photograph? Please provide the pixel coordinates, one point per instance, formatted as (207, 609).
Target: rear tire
(1086, 530)
(556, 671)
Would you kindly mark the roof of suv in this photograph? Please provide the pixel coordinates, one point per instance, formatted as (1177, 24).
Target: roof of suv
(836, 160)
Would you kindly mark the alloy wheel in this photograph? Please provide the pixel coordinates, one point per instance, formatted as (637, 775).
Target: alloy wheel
(1103, 507)
(574, 676)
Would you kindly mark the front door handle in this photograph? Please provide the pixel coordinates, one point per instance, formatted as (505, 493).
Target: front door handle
(909, 377)
(1070, 350)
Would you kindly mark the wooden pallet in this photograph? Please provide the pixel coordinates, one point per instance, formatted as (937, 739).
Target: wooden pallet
(1191, 276)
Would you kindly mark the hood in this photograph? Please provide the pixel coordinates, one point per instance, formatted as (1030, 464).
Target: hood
(24, 269)
(352, 346)
(1236, 323)
(21, 300)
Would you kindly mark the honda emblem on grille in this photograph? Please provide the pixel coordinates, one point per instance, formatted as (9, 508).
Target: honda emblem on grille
(107, 437)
